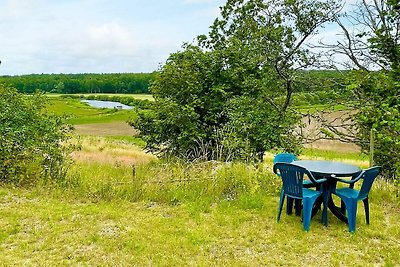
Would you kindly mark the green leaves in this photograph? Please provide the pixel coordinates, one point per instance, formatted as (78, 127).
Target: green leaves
(32, 144)
(379, 110)
(228, 98)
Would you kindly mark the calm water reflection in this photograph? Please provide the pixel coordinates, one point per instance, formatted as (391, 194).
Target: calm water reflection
(106, 104)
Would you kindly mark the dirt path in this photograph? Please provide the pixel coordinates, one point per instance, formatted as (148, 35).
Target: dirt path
(312, 128)
(105, 129)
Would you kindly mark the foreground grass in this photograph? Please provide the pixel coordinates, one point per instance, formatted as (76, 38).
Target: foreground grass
(50, 230)
(177, 214)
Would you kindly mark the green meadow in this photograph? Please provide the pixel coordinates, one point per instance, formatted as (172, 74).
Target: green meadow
(137, 96)
(121, 206)
(78, 112)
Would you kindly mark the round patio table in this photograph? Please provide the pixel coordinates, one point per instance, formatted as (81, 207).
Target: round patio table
(326, 169)
(329, 170)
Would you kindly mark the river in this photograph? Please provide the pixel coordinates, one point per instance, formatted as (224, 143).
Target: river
(106, 104)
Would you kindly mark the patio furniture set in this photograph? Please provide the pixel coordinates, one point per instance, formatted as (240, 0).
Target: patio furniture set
(308, 184)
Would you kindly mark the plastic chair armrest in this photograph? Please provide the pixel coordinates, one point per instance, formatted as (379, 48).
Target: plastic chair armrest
(352, 181)
(346, 181)
(316, 181)
(322, 180)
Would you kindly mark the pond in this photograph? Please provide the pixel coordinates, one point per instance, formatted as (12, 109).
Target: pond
(106, 104)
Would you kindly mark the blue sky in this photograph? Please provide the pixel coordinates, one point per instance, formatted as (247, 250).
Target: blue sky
(97, 36)
(104, 36)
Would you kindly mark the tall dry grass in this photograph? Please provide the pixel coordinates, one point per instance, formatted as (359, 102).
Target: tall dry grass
(107, 169)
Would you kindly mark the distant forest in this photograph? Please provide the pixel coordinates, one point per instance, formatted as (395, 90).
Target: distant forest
(121, 83)
(136, 83)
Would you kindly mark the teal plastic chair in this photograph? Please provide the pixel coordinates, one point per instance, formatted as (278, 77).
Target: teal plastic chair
(284, 157)
(351, 196)
(292, 178)
(288, 158)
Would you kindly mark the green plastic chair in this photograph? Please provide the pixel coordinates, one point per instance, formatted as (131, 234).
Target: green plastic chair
(292, 178)
(351, 196)
(288, 158)
(284, 157)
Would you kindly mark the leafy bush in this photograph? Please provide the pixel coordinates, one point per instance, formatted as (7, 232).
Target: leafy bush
(32, 143)
(203, 111)
(379, 112)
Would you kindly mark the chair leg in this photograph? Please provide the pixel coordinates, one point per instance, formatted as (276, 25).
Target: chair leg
(325, 198)
(281, 200)
(289, 205)
(307, 210)
(366, 208)
(343, 207)
(297, 207)
(351, 207)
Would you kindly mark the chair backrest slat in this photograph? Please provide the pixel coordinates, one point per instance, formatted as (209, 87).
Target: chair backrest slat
(284, 157)
(369, 176)
(292, 178)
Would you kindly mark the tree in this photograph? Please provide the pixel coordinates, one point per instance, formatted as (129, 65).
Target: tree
(371, 42)
(32, 143)
(272, 36)
(187, 105)
(378, 117)
(228, 96)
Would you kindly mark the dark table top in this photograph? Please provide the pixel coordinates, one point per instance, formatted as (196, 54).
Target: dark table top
(328, 168)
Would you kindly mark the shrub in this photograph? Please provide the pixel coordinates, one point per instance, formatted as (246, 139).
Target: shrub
(32, 143)
(379, 113)
(202, 111)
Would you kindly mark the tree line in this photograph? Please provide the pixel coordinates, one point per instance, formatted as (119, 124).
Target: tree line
(118, 83)
(314, 81)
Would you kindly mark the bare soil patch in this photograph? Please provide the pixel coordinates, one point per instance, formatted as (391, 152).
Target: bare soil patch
(312, 130)
(106, 129)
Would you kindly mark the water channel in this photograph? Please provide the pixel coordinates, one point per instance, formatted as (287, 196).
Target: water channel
(106, 104)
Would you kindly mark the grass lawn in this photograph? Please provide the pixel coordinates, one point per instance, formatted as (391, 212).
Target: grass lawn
(40, 229)
(174, 214)
(82, 113)
(137, 96)
(321, 107)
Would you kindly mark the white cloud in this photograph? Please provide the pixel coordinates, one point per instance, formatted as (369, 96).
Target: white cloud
(49, 36)
(19, 8)
(110, 37)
